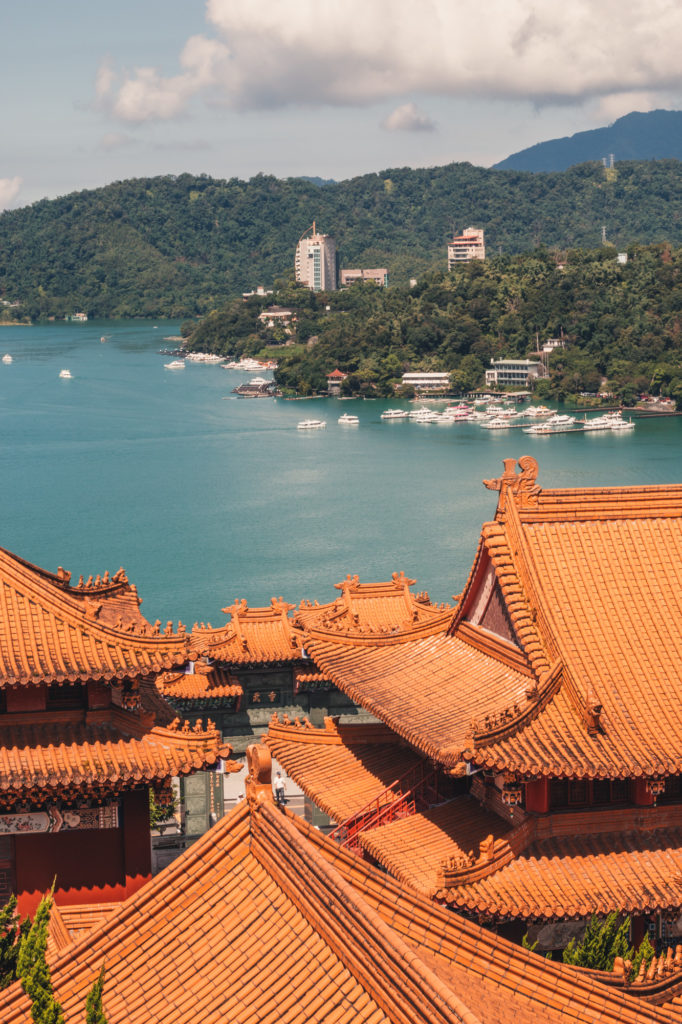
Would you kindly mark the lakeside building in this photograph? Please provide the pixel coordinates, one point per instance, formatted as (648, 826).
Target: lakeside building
(260, 292)
(84, 735)
(513, 372)
(278, 316)
(315, 263)
(468, 246)
(334, 381)
(427, 382)
(377, 276)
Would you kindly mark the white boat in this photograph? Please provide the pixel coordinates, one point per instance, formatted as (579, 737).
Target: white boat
(65, 374)
(7, 358)
(560, 420)
(539, 428)
(204, 357)
(498, 423)
(598, 423)
(423, 415)
(311, 424)
(177, 364)
(348, 420)
(621, 424)
(395, 414)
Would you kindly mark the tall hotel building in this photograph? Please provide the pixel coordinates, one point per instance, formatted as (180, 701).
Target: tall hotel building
(470, 245)
(315, 262)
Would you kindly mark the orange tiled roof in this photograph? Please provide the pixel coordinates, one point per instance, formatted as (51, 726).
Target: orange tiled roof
(70, 923)
(252, 636)
(100, 752)
(341, 767)
(426, 689)
(206, 683)
(590, 580)
(414, 849)
(53, 632)
(563, 656)
(322, 937)
(560, 866)
(366, 608)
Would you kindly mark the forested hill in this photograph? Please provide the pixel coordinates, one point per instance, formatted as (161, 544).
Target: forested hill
(656, 135)
(184, 245)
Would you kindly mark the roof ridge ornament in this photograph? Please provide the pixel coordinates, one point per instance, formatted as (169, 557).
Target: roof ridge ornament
(521, 485)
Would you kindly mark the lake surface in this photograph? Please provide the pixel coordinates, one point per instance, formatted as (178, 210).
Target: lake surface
(204, 498)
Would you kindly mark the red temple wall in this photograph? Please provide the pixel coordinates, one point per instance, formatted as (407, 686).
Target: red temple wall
(91, 866)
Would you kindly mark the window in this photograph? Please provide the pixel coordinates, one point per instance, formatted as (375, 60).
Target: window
(65, 697)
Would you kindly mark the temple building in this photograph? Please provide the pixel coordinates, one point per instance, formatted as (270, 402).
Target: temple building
(265, 919)
(528, 764)
(84, 735)
(258, 663)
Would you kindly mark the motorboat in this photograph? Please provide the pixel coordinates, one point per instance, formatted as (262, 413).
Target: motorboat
(348, 420)
(312, 424)
(177, 364)
(204, 357)
(540, 428)
(598, 423)
(7, 358)
(423, 415)
(621, 424)
(560, 420)
(65, 374)
(497, 423)
(395, 414)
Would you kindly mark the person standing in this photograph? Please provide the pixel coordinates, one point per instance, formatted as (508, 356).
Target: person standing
(279, 790)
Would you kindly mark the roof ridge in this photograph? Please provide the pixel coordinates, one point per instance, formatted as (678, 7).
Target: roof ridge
(412, 988)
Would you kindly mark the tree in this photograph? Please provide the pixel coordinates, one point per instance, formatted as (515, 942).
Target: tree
(33, 970)
(94, 1010)
(12, 931)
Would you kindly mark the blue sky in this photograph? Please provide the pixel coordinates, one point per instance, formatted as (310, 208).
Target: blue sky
(97, 92)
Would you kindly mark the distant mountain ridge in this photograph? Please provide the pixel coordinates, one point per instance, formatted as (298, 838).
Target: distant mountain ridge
(656, 135)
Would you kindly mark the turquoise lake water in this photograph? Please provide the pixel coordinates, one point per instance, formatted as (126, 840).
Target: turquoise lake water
(204, 498)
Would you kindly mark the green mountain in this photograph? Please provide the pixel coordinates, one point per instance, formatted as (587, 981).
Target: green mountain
(656, 135)
(184, 245)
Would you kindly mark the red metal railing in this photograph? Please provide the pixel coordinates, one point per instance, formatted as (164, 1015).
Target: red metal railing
(414, 791)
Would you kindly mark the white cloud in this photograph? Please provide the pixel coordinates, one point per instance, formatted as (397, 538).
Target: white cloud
(9, 190)
(408, 118)
(316, 52)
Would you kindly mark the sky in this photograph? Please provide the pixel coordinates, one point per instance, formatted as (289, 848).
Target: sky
(97, 92)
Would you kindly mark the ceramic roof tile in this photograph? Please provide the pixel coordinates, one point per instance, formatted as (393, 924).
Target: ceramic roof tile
(364, 608)
(413, 849)
(563, 655)
(53, 632)
(252, 635)
(105, 751)
(265, 919)
(599, 573)
(341, 767)
(574, 876)
(423, 688)
(206, 683)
